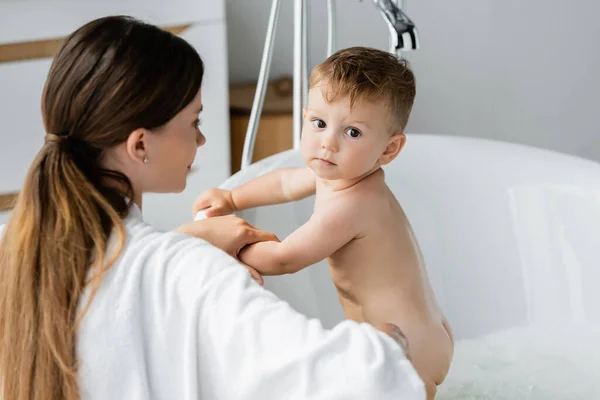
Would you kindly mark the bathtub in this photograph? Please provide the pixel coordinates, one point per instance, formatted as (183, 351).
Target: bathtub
(511, 238)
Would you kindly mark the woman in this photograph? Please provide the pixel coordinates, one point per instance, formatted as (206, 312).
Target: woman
(96, 304)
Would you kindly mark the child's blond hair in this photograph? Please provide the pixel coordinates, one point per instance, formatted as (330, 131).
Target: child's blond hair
(364, 73)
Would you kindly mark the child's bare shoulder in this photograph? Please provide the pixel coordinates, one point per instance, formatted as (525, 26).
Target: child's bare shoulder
(346, 205)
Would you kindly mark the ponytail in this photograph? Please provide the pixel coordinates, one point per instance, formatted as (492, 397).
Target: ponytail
(54, 246)
(54, 252)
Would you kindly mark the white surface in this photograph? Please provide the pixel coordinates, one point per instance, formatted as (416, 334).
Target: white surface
(25, 20)
(22, 133)
(489, 69)
(514, 70)
(541, 363)
(176, 318)
(510, 234)
(511, 238)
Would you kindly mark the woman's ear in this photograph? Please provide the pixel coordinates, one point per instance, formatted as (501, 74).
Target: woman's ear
(393, 148)
(137, 148)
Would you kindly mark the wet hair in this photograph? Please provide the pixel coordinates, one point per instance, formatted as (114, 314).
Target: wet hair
(364, 73)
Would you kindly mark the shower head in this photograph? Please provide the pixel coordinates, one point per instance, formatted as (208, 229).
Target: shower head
(404, 34)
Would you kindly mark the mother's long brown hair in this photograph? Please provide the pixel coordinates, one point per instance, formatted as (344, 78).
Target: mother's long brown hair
(111, 76)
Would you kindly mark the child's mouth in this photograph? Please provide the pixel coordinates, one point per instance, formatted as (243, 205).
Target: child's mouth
(324, 161)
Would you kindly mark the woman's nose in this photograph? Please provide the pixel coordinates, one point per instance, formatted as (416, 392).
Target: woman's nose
(200, 139)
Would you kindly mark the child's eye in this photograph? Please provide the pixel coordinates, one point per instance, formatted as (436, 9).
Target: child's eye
(353, 133)
(197, 122)
(318, 123)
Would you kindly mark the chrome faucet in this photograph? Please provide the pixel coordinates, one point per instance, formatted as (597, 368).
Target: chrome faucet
(403, 32)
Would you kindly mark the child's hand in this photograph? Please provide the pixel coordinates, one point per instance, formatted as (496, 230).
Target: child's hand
(214, 202)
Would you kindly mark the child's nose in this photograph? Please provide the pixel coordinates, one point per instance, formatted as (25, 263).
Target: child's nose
(328, 142)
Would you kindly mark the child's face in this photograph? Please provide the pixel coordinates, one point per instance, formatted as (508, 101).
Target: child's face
(339, 142)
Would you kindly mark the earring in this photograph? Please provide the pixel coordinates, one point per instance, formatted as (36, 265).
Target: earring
(145, 159)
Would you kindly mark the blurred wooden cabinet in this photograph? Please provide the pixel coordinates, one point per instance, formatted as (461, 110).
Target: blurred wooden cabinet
(275, 128)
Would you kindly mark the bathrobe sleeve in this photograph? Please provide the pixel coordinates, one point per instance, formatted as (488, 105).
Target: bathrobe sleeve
(244, 343)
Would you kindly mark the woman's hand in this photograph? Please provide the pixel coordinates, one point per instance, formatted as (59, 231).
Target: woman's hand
(215, 202)
(230, 234)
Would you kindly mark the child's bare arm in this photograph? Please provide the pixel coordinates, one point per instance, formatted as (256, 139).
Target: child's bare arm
(325, 233)
(279, 186)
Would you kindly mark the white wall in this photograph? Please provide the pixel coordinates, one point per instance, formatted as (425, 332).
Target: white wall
(516, 70)
(358, 23)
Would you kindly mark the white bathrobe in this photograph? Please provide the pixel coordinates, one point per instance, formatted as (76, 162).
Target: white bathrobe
(176, 318)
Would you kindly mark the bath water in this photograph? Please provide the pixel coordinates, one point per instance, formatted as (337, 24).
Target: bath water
(526, 364)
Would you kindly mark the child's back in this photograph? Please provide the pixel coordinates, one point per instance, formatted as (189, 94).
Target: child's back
(380, 276)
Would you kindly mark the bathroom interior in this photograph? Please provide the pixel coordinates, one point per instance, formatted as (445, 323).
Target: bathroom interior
(500, 176)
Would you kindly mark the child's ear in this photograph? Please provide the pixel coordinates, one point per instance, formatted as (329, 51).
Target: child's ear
(393, 148)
